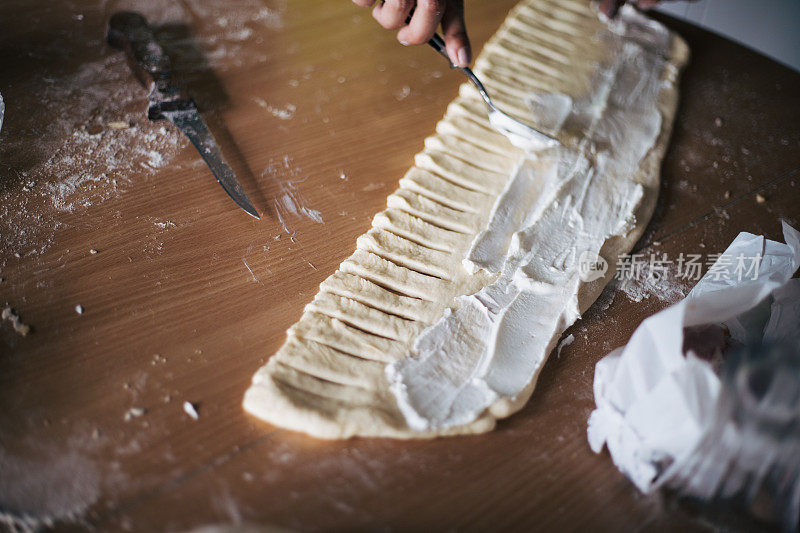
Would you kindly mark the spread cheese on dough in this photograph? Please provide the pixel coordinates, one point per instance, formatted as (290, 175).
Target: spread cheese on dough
(560, 206)
(440, 321)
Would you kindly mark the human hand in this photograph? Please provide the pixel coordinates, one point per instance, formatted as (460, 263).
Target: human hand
(427, 15)
(610, 8)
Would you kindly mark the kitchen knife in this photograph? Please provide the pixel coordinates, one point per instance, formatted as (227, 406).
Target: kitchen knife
(130, 32)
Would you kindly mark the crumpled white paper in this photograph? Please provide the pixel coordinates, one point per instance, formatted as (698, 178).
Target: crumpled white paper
(653, 402)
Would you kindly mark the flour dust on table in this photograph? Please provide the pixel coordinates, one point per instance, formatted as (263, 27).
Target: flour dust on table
(441, 320)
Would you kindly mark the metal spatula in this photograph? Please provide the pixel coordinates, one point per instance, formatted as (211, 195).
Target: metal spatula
(500, 120)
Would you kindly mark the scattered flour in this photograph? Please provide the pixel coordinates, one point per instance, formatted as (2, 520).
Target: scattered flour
(250, 270)
(83, 157)
(134, 412)
(661, 282)
(289, 202)
(224, 27)
(54, 482)
(39, 493)
(9, 315)
(283, 113)
(89, 136)
(190, 409)
(566, 341)
(403, 93)
(165, 224)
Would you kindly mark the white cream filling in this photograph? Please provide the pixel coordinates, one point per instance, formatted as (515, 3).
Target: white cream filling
(519, 134)
(560, 203)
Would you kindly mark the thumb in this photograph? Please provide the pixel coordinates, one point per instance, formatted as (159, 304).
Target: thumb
(610, 8)
(455, 33)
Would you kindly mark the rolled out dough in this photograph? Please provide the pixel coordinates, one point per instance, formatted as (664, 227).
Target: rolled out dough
(329, 377)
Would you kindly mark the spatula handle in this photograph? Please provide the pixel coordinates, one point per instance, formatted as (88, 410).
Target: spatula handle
(130, 32)
(436, 42)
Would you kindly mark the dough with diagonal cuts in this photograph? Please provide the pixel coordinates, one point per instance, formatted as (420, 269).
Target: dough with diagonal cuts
(329, 377)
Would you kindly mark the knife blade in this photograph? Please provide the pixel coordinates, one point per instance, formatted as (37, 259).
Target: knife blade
(130, 32)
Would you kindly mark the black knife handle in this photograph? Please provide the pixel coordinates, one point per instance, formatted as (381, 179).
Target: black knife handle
(437, 43)
(129, 32)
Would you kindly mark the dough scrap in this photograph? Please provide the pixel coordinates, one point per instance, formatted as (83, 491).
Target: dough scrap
(327, 379)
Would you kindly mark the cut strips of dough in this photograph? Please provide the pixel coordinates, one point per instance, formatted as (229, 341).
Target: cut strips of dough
(409, 254)
(363, 317)
(457, 170)
(330, 364)
(285, 374)
(364, 291)
(338, 335)
(462, 127)
(328, 378)
(444, 192)
(480, 157)
(427, 212)
(392, 276)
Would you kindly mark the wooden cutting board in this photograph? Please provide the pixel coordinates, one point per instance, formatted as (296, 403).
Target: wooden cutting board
(320, 112)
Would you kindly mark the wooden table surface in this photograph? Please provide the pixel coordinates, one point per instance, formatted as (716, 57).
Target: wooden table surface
(320, 112)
